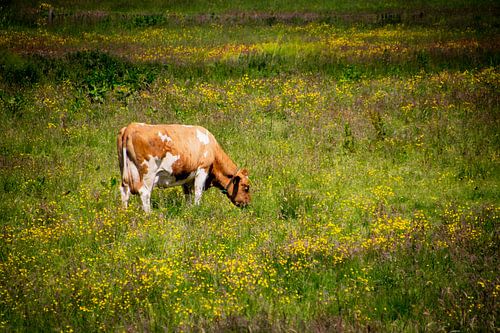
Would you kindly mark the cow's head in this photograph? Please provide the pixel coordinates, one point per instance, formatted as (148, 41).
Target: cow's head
(238, 189)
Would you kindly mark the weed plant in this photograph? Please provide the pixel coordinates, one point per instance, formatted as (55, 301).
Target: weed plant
(373, 153)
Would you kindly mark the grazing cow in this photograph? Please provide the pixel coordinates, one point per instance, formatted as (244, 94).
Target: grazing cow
(172, 155)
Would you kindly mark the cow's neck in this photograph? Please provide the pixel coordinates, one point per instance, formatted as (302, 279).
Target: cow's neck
(223, 170)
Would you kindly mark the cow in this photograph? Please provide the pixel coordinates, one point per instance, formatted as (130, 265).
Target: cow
(173, 155)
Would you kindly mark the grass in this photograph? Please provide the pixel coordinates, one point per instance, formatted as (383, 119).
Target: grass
(203, 6)
(372, 149)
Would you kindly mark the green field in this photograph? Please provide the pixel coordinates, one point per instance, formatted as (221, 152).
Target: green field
(371, 132)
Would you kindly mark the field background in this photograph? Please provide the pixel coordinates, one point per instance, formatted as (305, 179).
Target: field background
(371, 131)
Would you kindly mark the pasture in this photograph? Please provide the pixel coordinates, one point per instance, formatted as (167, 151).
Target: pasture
(371, 133)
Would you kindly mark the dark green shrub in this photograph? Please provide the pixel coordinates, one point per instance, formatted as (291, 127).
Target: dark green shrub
(18, 71)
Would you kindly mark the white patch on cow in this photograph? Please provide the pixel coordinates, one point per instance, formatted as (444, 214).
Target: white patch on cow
(150, 177)
(203, 137)
(164, 137)
(205, 154)
(168, 161)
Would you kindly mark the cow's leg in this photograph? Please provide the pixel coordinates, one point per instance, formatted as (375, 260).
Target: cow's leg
(145, 194)
(125, 193)
(188, 192)
(199, 184)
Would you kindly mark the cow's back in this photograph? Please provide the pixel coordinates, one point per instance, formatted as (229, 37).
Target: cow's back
(193, 146)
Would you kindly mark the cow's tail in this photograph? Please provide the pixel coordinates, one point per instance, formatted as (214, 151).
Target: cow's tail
(122, 153)
(126, 159)
(123, 159)
(125, 172)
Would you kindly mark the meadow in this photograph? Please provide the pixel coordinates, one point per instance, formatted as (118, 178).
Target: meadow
(371, 133)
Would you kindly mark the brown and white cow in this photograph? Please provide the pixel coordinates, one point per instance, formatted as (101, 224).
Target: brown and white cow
(172, 155)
